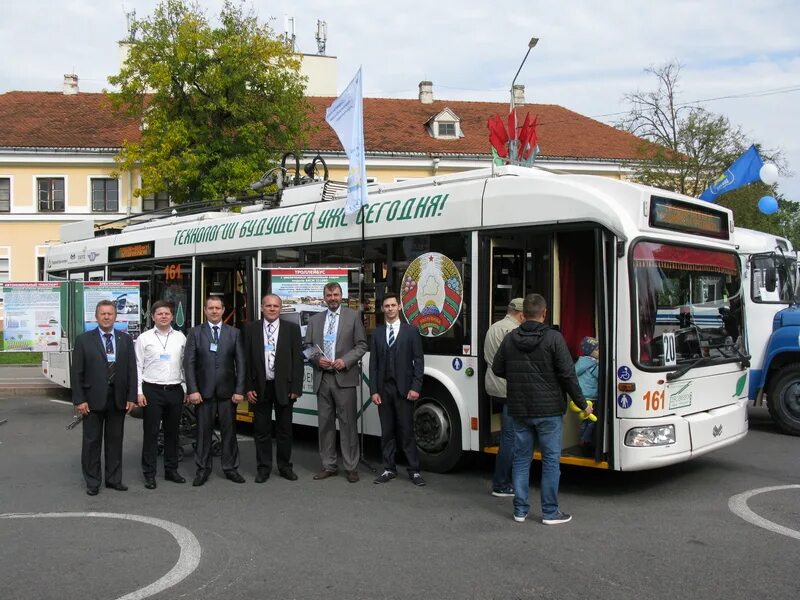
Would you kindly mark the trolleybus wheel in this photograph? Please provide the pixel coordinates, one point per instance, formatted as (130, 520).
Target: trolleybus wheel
(783, 399)
(437, 427)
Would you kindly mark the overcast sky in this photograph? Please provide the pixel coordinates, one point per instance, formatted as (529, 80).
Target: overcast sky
(589, 55)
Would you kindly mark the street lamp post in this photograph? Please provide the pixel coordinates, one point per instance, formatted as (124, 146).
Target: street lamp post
(512, 122)
(531, 45)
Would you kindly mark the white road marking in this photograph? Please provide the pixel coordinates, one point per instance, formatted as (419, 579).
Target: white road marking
(187, 561)
(738, 506)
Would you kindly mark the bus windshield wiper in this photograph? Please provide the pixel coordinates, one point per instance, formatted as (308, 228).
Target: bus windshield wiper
(686, 368)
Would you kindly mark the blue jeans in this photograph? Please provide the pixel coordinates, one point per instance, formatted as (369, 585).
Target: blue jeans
(502, 465)
(548, 432)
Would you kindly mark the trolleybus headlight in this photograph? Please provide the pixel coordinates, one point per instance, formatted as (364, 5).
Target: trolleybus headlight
(660, 435)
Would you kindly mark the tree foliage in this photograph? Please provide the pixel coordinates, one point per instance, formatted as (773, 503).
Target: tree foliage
(217, 103)
(686, 147)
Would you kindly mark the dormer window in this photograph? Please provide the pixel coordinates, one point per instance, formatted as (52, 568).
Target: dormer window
(445, 126)
(447, 130)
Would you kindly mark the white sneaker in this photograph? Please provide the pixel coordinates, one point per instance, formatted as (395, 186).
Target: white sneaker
(557, 519)
(520, 518)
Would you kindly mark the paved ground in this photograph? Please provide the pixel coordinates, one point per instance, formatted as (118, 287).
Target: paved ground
(659, 534)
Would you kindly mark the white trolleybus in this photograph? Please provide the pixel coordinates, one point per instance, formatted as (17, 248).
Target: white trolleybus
(608, 256)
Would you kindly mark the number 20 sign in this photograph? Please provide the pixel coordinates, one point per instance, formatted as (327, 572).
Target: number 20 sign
(668, 339)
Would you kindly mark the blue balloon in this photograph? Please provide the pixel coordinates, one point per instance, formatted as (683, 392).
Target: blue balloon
(768, 205)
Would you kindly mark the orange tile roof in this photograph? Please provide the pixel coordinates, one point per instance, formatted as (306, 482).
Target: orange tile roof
(53, 120)
(85, 120)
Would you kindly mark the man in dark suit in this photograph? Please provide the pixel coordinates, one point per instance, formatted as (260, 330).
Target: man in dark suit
(339, 334)
(214, 367)
(274, 378)
(396, 367)
(103, 391)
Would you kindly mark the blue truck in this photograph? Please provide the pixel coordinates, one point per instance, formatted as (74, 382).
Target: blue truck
(772, 328)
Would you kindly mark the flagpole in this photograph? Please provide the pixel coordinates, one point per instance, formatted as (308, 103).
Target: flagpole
(361, 276)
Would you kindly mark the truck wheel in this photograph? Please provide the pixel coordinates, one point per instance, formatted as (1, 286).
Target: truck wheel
(783, 399)
(437, 427)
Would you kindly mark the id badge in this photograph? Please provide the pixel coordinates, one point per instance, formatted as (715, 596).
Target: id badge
(269, 347)
(164, 357)
(212, 348)
(111, 358)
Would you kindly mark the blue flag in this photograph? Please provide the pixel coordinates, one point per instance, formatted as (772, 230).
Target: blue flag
(745, 170)
(346, 118)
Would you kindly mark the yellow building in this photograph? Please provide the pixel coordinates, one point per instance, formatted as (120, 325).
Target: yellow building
(57, 156)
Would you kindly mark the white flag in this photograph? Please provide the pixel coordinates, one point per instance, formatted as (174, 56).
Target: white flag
(346, 118)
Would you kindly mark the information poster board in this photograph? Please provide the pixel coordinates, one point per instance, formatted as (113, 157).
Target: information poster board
(126, 297)
(31, 316)
(302, 291)
(302, 294)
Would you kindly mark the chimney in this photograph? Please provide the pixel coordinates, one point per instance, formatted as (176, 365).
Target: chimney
(70, 84)
(519, 94)
(426, 92)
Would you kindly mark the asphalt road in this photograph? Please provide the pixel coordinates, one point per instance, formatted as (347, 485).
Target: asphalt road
(659, 534)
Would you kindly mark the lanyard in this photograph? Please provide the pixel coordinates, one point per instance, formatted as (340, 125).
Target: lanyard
(163, 345)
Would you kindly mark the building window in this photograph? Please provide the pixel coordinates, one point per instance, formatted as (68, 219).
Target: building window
(4, 269)
(51, 194)
(105, 195)
(5, 194)
(447, 129)
(157, 201)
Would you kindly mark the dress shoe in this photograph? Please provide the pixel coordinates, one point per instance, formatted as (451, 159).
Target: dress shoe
(200, 479)
(288, 474)
(150, 483)
(352, 476)
(120, 487)
(234, 476)
(174, 476)
(324, 474)
(92, 491)
(262, 476)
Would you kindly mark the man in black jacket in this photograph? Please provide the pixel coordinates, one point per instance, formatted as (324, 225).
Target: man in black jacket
(536, 363)
(103, 392)
(214, 366)
(274, 357)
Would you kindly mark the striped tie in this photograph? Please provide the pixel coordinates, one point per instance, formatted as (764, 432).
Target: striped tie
(216, 334)
(391, 336)
(112, 366)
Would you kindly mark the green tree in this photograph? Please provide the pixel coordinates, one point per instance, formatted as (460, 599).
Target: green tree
(685, 147)
(217, 103)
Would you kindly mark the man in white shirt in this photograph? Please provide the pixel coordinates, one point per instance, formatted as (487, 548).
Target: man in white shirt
(159, 363)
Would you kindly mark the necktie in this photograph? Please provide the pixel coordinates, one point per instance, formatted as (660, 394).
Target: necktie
(109, 345)
(216, 334)
(391, 336)
(271, 343)
(110, 350)
(329, 335)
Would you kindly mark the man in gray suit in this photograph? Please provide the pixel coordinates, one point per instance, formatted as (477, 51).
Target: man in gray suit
(339, 333)
(214, 366)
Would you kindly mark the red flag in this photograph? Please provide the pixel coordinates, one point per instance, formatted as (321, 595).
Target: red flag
(512, 124)
(531, 138)
(498, 136)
